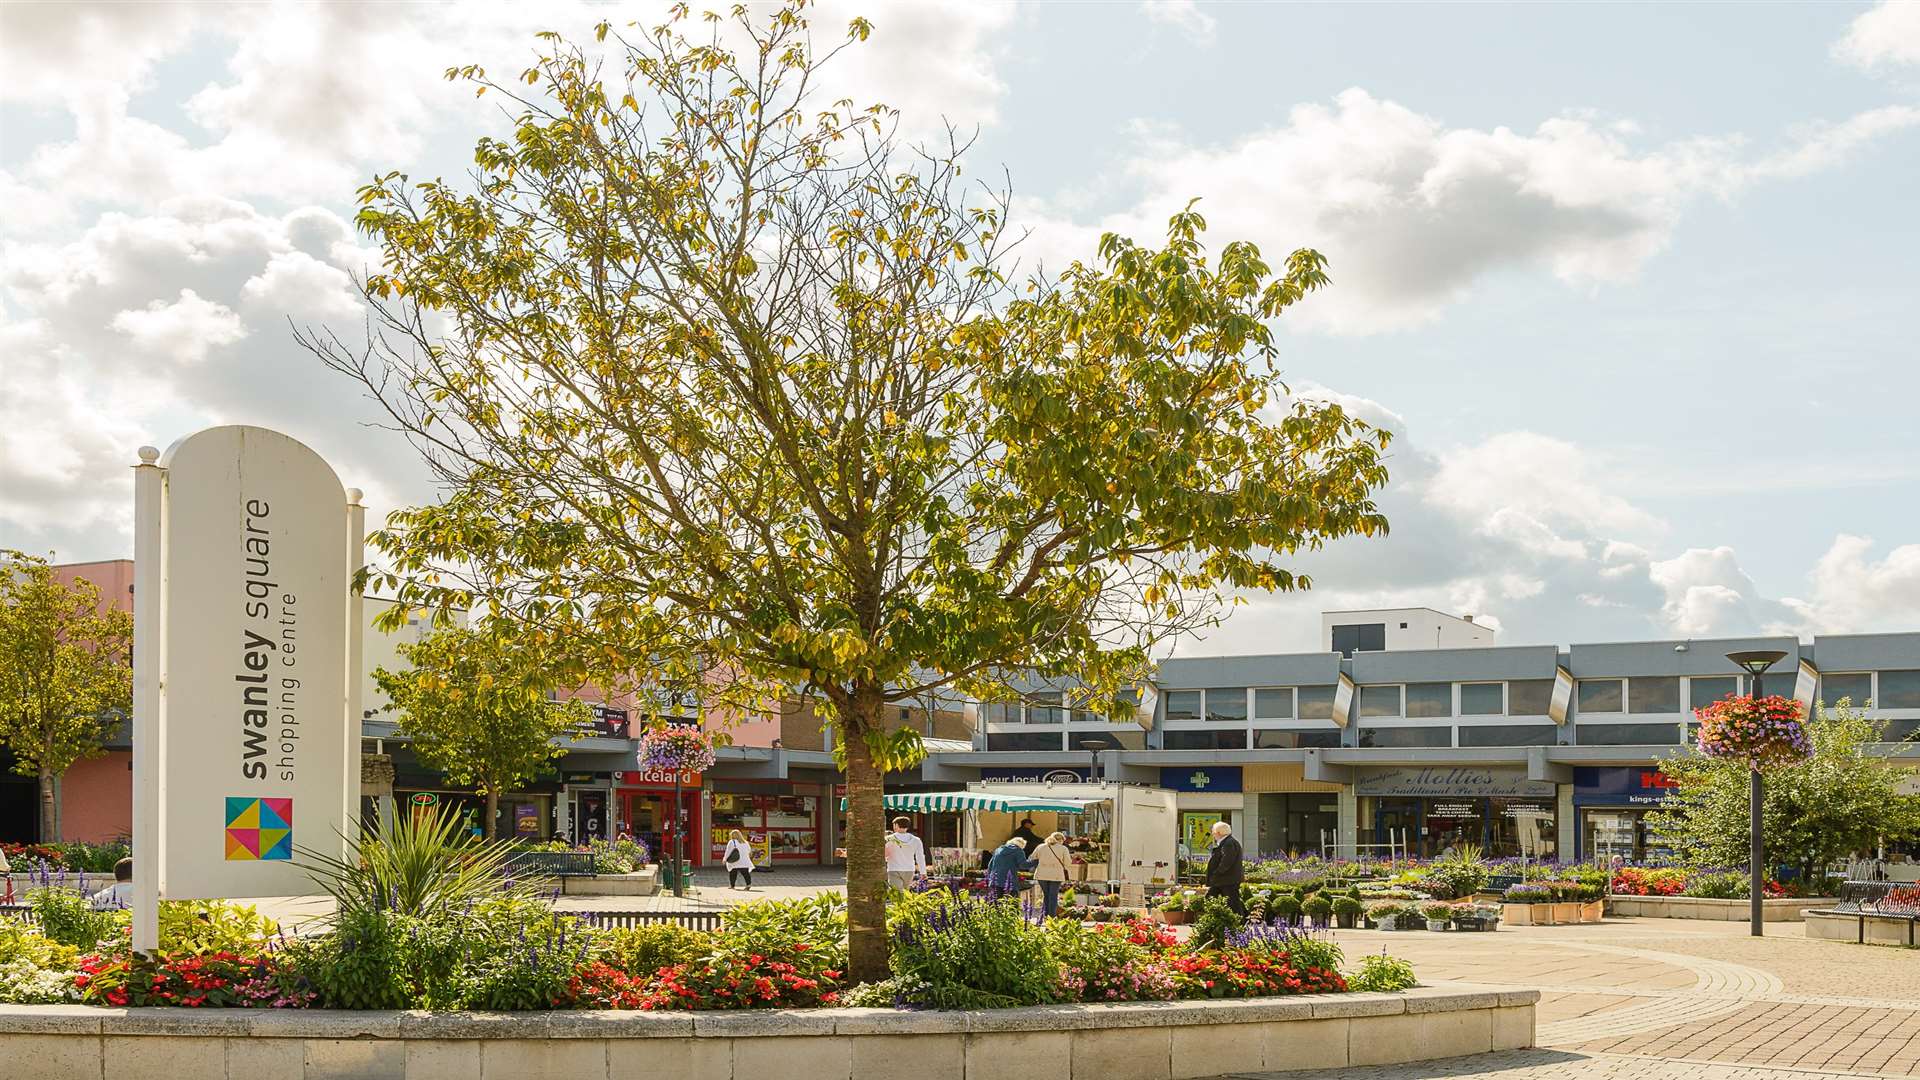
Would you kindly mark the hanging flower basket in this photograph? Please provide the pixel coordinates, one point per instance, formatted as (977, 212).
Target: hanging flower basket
(677, 749)
(1759, 731)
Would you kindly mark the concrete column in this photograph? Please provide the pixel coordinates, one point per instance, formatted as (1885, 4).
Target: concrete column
(1563, 821)
(1349, 824)
(1248, 827)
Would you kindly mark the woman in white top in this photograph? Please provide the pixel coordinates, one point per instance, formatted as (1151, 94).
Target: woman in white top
(739, 860)
(1052, 869)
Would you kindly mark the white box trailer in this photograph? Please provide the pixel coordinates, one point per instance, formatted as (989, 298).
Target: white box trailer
(1142, 823)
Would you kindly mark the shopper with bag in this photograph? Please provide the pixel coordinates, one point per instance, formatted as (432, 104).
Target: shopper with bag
(1052, 868)
(739, 860)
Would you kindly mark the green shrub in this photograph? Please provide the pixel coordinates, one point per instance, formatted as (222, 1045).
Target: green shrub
(971, 954)
(1383, 973)
(1318, 906)
(1101, 963)
(1213, 920)
(68, 918)
(357, 966)
(646, 949)
(1724, 885)
(1287, 907)
(1349, 906)
(208, 926)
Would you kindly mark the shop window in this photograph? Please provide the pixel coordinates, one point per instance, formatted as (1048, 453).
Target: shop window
(1271, 739)
(1653, 694)
(1379, 701)
(1509, 735)
(1629, 734)
(1529, 697)
(1023, 740)
(1316, 702)
(1899, 690)
(1601, 696)
(1703, 691)
(1183, 705)
(1483, 699)
(1227, 706)
(1522, 827)
(1406, 737)
(1429, 699)
(1857, 688)
(1275, 704)
(1206, 740)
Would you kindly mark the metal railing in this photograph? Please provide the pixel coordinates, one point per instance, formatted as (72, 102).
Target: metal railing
(631, 920)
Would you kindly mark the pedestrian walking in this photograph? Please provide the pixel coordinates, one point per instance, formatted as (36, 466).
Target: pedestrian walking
(1226, 868)
(1052, 868)
(906, 855)
(739, 860)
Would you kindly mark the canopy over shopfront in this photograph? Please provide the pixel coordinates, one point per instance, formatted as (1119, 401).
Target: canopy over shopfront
(955, 801)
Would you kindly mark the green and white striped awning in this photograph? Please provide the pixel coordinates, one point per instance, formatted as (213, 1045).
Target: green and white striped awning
(950, 801)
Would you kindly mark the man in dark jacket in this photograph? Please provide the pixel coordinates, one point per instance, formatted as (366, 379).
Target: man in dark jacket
(1224, 868)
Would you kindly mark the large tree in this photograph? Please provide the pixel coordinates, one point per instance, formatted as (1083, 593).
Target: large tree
(477, 705)
(1841, 800)
(66, 673)
(728, 387)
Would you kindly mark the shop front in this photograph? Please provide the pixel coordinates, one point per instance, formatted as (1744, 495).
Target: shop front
(779, 818)
(1205, 795)
(1290, 814)
(587, 807)
(646, 801)
(1428, 810)
(1611, 804)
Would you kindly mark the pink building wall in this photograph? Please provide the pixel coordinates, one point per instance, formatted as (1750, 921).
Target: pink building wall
(96, 799)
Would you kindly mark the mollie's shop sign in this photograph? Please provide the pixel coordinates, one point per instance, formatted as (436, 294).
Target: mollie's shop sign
(1450, 781)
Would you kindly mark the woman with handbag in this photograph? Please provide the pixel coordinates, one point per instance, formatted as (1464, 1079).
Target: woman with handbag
(1053, 868)
(738, 860)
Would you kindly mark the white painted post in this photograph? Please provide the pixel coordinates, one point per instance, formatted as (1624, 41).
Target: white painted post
(356, 643)
(149, 599)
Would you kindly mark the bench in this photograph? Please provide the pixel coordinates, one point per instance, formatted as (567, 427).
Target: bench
(633, 920)
(550, 864)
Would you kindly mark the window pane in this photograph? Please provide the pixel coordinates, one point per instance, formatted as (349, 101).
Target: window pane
(1628, 734)
(1430, 699)
(1117, 739)
(1482, 699)
(1529, 697)
(1316, 703)
(1505, 735)
(1228, 705)
(1899, 690)
(1702, 692)
(1600, 695)
(1367, 637)
(1379, 701)
(1901, 731)
(1406, 736)
(1183, 704)
(1045, 714)
(1023, 740)
(1654, 693)
(1855, 688)
(1206, 740)
(1273, 704)
(1268, 739)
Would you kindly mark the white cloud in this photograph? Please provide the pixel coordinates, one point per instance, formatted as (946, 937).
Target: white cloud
(297, 284)
(1524, 479)
(1853, 591)
(1185, 15)
(183, 330)
(68, 51)
(1888, 34)
(1412, 212)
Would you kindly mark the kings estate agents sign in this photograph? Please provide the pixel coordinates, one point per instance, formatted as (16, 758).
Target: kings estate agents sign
(246, 737)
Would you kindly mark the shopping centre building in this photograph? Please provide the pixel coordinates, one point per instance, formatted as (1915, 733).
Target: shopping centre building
(1412, 731)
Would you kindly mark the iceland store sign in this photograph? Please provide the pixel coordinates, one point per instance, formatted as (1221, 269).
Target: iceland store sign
(247, 643)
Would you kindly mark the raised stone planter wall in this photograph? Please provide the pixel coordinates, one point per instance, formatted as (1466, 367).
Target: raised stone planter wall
(1142, 1041)
(1863, 928)
(1699, 907)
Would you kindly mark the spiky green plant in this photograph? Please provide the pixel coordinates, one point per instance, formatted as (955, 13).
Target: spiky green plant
(420, 864)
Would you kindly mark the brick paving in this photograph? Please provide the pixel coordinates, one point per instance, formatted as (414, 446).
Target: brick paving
(1552, 1064)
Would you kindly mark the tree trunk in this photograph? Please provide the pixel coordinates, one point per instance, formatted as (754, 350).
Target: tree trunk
(489, 827)
(866, 854)
(49, 826)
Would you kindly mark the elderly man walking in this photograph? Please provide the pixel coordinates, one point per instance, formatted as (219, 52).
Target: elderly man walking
(1225, 868)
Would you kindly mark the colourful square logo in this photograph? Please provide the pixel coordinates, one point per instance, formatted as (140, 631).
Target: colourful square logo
(259, 829)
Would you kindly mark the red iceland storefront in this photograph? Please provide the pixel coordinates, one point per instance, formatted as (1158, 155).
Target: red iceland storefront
(646, 811)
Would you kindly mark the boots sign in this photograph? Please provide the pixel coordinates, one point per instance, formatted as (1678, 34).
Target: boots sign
(247, 648)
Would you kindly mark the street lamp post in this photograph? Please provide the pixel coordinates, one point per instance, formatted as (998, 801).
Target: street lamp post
(1755, 664)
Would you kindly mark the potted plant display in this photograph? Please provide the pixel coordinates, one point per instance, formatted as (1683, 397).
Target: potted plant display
(1529, 903)
(1476, 916)
(1592, 901)
(1566, 905)
(1438, 914)
(1347, 911)
(1319, 911)
(1384, 914)
(1285, 907)
(1175, 905)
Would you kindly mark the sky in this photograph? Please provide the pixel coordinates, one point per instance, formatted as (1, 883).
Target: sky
(1637, 287)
